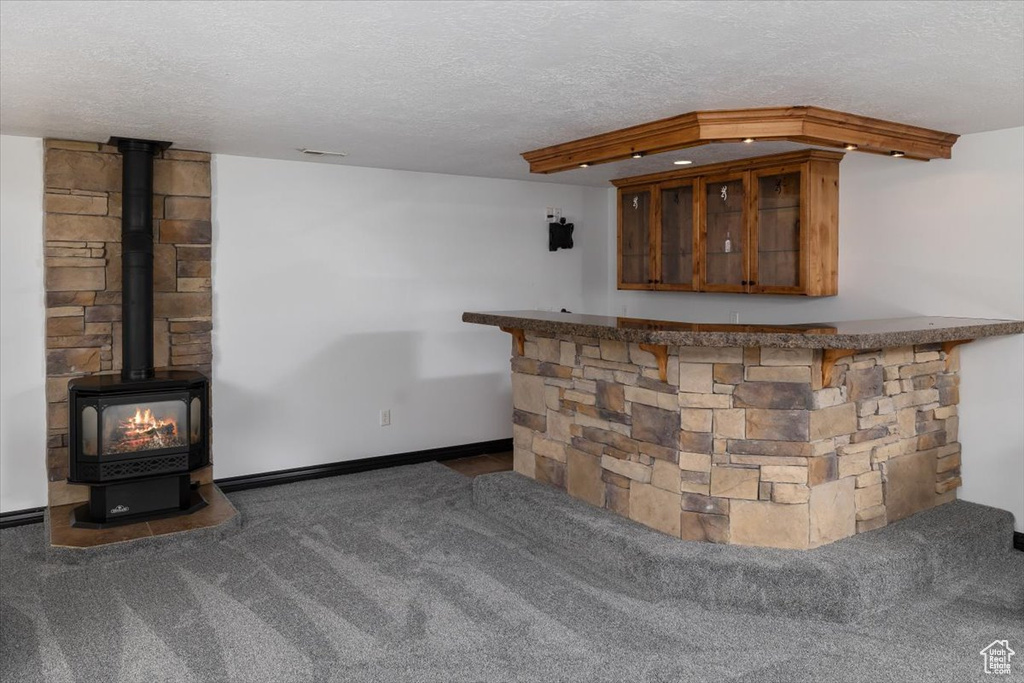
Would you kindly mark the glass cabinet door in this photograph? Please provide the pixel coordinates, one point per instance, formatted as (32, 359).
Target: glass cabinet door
(725, 237)
(635, 237)
(778, 230)
(677, 232)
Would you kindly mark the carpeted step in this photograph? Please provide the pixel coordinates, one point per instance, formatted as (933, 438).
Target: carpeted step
(841, 582)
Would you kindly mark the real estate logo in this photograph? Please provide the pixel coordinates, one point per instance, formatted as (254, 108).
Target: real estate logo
(997, 657)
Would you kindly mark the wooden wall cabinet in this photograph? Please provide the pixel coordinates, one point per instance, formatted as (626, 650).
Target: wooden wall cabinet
(767, 225)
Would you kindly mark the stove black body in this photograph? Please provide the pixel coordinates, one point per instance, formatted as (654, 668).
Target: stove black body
(134, 438)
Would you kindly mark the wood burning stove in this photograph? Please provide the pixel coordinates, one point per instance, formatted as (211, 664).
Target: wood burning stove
(135, 437)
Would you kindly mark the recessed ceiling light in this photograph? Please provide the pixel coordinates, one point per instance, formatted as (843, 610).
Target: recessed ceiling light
(682, 162)
(897, 153)
(748, 140)
(637, 155)
(321, 153)
(584, 165)
(849, 147)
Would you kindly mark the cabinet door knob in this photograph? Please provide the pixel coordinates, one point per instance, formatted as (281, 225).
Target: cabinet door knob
(743, 282)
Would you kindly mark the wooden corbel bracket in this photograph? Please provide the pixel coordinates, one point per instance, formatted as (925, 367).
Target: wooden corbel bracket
(660, 353)
(518, 339)
(829, 357)
(947, 348)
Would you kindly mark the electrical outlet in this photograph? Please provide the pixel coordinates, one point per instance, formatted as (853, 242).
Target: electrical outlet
(734, 317)
(385, 418)
(554, 214)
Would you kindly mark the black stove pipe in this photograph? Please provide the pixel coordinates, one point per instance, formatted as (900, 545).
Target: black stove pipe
(137, 255)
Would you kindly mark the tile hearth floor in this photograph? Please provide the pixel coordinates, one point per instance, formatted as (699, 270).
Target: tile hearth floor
(481, 464)
(217, 511)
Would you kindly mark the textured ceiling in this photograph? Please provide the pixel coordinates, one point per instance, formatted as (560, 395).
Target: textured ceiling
(465, 87)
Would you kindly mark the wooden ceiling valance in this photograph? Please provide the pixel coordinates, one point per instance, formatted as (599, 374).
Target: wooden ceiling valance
(807, 125)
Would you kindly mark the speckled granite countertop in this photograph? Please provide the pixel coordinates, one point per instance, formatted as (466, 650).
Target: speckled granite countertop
(849, 334)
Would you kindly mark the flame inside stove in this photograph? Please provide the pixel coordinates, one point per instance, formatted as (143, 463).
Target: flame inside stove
(147, 429)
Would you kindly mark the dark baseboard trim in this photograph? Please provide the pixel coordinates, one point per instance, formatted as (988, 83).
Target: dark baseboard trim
(9, 520)
(253, 481)
(1018, 540)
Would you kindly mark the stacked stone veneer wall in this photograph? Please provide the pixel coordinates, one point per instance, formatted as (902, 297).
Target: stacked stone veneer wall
(740, 445)
(83, 276)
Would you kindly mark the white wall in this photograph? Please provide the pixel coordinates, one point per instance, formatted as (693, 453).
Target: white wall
(22, 326)
(937, 238)
(338, 292)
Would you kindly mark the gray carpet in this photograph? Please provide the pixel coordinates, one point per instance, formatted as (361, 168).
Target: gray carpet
(396, 575)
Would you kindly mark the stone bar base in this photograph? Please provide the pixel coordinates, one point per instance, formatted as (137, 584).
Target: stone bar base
(741, 446)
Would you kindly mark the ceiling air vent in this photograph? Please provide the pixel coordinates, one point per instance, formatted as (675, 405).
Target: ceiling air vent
(321, 153)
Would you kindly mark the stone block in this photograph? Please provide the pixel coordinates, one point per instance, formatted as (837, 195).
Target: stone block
(822, 469)
(832, 511)
(559, 426)
(616, 351)
(548, 448)
(789, 374)
(773, 395)
(528, 393)
(710, 354)
(188, 178)
(655, 425)
(695, 526)
(695, 442)
(687, 400)
(774, 525)
(777, 425)
(695, 462)
(72, 361)
(864, 384)
(70, 325)
(910, 484)
(77, 204)
(583, 477)
(696, 378)
(730, 423)
(644, 396)
(537, 423)
(705, 504)
(567, 353)
(550, 471)
(854, 464)
(696, 419)
(790, 494)
(734, 482)
(549, 350)
(665, 475)
(190, 232)
(631, 470)
(71, 227)
(182, 304)
(919, 397)
(898, 356)
(771, 356)
(193, 268)
(868, 496)
(917, 369)
(187, 208)
(828, 422)
(794, 449)
(524, 461)
(948, 462)
(787, 474)
(82, 170)
(616, 499)
(579, 397)
(655, 508)
(727, 373)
